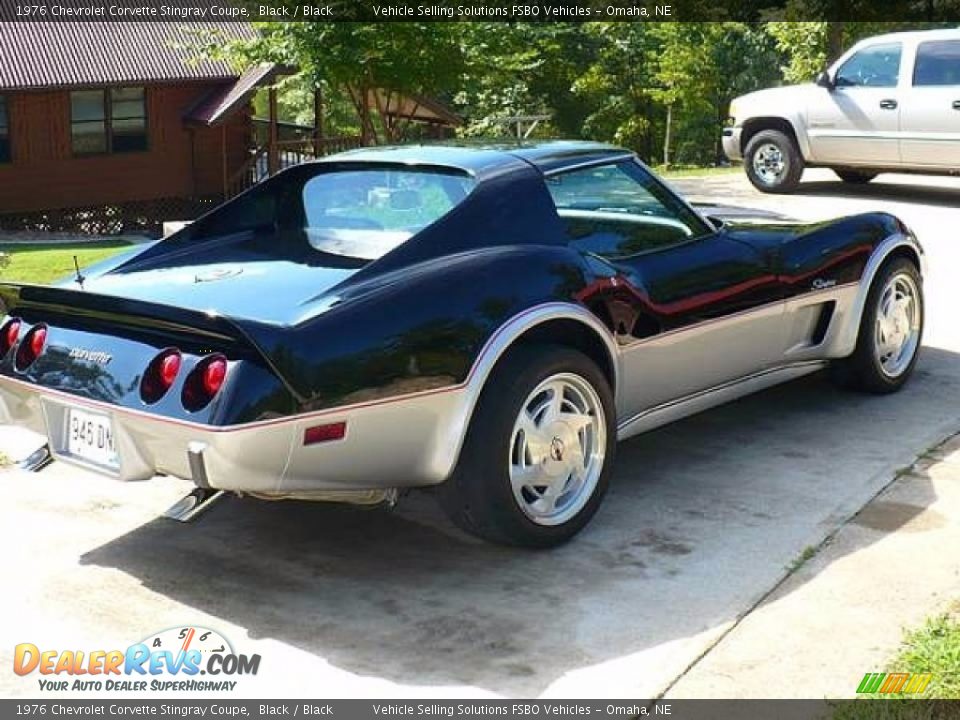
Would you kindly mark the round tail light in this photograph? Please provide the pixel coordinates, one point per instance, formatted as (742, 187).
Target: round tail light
(31, 347)
(9, 335)
(204, 382)
(160, 375)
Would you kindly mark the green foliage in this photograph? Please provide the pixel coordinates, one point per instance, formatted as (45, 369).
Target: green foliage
(934, 648)
(527, 70)
(804, 45)
(608, 81)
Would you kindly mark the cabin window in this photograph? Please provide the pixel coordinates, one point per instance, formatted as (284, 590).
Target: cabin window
(4, 132)
(108, 121)
(620, 210)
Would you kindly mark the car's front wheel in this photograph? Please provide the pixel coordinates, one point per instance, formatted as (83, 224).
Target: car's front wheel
(536, 459)
(856, 177)
(891, 330)
(773, 162)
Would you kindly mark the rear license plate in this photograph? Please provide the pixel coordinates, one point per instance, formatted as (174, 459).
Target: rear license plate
(90, 437)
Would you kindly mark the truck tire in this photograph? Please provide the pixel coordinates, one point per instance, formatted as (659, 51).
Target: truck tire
(773, 162)
(856, 177)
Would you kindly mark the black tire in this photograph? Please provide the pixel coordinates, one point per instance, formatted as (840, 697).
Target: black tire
(863, 371)
(856, 177)
(787, 180)
(478, 497)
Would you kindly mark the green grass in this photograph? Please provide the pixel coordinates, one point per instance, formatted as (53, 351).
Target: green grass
(934, 648)
(43, 262)
(798, 562)
(681, 171)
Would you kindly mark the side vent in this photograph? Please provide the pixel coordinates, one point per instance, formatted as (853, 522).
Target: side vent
(823, 322)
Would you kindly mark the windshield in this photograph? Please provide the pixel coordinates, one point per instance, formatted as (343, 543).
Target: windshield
(366, 213)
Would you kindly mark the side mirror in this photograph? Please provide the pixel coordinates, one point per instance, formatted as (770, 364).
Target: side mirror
(825, 81)
(718, 223)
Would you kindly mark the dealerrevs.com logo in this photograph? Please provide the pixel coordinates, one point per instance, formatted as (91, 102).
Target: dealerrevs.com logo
(179, 659)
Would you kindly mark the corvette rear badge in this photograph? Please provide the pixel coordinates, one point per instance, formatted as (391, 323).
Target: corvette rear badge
(94, 356)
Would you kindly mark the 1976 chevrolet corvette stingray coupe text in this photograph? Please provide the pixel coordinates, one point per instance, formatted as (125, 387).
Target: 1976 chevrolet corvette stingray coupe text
(488, 321)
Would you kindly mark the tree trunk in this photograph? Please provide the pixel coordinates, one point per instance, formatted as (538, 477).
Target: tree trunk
(362, 105)
(368, 134)
(834, 41)
(666, 137)
(317, 120)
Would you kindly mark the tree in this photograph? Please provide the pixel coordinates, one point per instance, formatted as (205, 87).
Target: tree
(358, 58)
(700, 68)
(617, 88)
(524, 69)
(809, 47)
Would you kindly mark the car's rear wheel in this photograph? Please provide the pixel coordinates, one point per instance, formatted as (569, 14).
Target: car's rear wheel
(856, 177)
(536, 459)
(773, 162)
(891, 331)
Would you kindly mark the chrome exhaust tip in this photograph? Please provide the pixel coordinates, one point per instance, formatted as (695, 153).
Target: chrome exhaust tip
(37, 460)
(193, 504)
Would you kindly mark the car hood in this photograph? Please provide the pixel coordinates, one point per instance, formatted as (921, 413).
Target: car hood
(246, 278)
(777, 100)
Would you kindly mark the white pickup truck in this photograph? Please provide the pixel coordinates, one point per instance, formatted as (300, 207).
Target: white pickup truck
(890, 104)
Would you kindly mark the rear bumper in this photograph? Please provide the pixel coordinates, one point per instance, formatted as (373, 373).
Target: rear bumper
(413, 441)
(731, 143)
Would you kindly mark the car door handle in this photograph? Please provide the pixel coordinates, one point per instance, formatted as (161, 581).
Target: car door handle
(956, 104)
(888, 104)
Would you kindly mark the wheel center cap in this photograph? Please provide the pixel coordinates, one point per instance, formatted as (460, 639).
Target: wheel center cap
(557, 448)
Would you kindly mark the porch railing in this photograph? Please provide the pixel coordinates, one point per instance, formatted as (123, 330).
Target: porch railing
(288, 153)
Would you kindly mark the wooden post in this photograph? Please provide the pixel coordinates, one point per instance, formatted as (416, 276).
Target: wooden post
(223, 155)
(317, 121)
(273, 158)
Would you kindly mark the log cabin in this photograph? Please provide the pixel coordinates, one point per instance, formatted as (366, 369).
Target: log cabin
(113, 126)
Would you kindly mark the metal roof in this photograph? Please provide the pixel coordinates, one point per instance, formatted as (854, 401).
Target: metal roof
(36, 55)
(408, 106)
(221, 103)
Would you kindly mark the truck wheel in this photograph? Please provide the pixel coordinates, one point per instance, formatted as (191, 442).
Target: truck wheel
(891, 329)
(773, 162)
(857, 177)
(536, 460)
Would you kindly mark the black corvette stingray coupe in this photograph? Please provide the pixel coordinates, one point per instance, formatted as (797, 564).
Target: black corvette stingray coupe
(489, 321)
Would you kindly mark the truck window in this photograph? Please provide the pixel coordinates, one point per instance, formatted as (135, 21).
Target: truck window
(938, 64)
(874, 66)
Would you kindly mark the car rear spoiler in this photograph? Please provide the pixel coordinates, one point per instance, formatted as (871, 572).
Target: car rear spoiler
(86, 310)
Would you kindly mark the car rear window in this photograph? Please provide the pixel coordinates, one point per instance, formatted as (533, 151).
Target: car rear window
(366, 213)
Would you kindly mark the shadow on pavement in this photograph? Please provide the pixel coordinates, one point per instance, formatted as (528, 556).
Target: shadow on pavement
(886, 191)
(701, 521)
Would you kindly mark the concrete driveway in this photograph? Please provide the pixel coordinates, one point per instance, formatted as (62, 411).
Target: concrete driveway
(701, 521)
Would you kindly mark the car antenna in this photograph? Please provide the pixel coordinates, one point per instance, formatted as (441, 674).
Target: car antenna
(80, 278)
